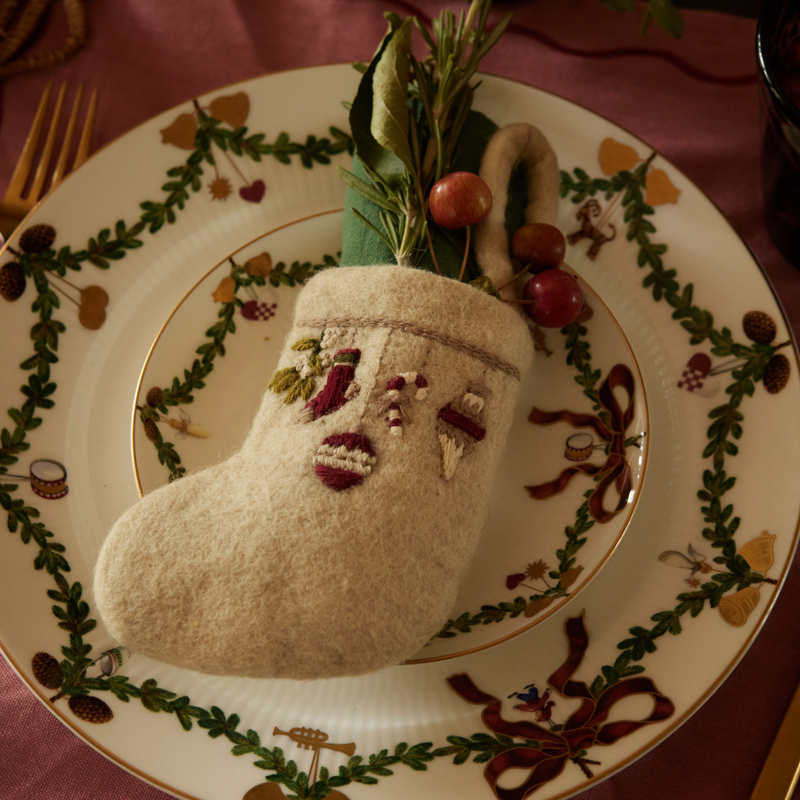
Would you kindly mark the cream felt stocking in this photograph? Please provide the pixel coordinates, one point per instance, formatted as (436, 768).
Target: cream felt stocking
(333, 543)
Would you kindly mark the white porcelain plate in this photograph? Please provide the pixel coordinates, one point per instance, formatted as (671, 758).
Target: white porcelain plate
(510, 587)
(573, 649)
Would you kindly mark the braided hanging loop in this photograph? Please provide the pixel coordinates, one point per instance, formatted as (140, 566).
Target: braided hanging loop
(19, 22)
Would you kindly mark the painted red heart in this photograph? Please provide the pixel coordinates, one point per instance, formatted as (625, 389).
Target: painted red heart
(254, 192)
(512, 581)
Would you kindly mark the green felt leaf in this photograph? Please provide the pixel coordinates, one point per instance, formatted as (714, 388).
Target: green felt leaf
(379, 158)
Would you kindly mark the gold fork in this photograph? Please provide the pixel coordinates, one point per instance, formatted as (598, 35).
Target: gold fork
(15, 207)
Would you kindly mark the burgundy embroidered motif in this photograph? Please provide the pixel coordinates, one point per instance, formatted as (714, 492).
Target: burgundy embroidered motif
(395, 404)
(338, 389)
(344, 460)
(461, 421)
(460, 427)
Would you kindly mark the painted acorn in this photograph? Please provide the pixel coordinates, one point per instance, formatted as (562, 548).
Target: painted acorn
(47, 670)
(776, 373)
(759, 327)
(90, 709)
(151, 430)
(12, 281)
(37, 238)
(155, 397)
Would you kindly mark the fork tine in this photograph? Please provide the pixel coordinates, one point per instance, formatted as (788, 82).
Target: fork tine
(23, 168)
(44, 163)
(61, 165)
(86, 137)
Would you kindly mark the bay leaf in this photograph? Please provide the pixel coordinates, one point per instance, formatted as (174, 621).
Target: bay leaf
(390, 113)
(380, 159)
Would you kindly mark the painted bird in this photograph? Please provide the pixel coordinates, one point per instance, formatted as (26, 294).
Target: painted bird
(538, 705)
(696, 562)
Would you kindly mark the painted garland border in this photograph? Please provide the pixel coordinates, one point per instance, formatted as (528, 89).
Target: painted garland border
(69, 675)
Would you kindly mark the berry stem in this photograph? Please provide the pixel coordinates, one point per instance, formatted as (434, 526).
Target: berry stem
(231, 162)
(56, 275)
(466, 254)
(518, 275)
(55, 286)
(433, 252)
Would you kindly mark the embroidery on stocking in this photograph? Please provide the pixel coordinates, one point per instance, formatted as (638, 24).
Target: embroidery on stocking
(298, 381)
(490, 359)
(338, 389)
(344, 460)
(395, 406)
(459, 426)
(332, 338)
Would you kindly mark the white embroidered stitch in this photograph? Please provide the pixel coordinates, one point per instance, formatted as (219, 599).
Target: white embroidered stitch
(342, 452)
(459, 426)
(419, 381)
(395, 406)
(350, 463)
(451, 454)
(472, 403)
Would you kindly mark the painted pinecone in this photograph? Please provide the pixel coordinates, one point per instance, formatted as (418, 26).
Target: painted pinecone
(151, 430)
(759, 327)
(12, 281)
(154, 397)
(776, 373)
(47, 670)
(90, 709)
(37, 238)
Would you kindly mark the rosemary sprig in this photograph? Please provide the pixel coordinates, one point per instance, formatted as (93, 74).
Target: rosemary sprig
(407, 116)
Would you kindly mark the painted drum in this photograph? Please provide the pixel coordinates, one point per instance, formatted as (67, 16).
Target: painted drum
(110, 661)
(49, 479)
(579, 447)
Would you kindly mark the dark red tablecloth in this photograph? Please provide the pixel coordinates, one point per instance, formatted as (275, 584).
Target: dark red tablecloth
(145, 56)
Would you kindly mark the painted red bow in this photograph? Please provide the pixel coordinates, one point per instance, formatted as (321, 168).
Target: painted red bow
(615, 468)
(586, 727)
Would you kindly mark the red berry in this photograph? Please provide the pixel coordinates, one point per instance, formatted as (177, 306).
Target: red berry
(558, 297)
(539, 245)
(460, 199)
